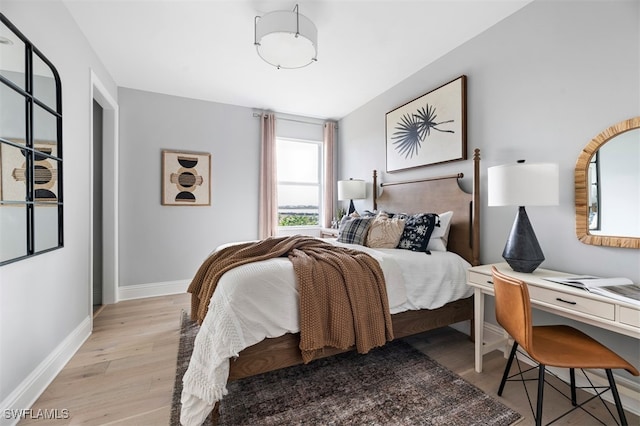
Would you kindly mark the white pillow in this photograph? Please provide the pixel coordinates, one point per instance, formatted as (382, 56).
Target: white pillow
(440, 234)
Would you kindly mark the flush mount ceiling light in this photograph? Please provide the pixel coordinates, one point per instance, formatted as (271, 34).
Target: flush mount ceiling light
(286, 39)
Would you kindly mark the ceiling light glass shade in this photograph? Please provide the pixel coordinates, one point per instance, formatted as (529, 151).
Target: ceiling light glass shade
(286, 39)
(521, 184)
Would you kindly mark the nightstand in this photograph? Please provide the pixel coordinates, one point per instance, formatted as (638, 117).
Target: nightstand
(328, 233)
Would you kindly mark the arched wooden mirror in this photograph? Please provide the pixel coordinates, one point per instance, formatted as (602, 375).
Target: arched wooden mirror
(607, 184)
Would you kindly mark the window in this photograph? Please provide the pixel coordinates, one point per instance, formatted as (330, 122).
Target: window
(30, 149)
(299, 182)
(595, 205)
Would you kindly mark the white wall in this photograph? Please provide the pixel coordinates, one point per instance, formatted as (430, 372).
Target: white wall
(541, 84)
(44, 301)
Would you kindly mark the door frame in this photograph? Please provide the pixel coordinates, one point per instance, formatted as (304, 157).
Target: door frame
(109, 106)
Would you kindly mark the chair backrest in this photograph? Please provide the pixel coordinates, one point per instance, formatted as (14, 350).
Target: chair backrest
(513, 308)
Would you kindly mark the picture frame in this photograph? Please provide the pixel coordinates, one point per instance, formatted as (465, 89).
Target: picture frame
(186, 178)
(428, 130)
(13, 171)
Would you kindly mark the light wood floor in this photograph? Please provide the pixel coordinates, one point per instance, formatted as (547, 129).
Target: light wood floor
(124, 373)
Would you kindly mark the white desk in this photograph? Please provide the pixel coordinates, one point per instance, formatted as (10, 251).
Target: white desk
(559, 299)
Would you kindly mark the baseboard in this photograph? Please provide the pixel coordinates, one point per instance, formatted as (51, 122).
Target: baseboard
(18, 403)
(492, 332)
(628, 389)
(140, 291)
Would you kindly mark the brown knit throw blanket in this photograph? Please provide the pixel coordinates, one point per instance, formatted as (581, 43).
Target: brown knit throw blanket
(343, 296)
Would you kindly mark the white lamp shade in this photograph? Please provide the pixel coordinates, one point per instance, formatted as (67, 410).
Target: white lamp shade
(522, 184)
(352, 189)
(277, 43)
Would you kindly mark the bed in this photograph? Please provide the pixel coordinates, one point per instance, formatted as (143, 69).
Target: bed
(252, 354)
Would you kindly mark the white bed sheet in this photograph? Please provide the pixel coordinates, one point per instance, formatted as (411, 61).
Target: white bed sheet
(260, 300)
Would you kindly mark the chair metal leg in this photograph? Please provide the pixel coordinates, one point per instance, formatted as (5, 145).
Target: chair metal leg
(572, 375)
(541, 369)
(505, 375)
(616, 397)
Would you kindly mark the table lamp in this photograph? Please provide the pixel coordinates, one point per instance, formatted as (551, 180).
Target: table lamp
(523, 185)
(352, 189)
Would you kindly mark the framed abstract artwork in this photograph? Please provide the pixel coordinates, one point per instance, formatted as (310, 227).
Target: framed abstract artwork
(13, 171)
(430, 129)
(186, 178)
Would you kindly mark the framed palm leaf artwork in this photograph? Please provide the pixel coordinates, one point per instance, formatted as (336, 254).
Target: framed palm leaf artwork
(428, 130)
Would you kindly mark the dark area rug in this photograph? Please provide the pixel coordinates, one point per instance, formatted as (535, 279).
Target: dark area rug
(392, 385)
(188, 331)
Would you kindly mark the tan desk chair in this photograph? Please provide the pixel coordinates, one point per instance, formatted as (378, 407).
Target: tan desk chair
(551, 345)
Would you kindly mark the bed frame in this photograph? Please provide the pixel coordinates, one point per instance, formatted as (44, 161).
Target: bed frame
(438, 194)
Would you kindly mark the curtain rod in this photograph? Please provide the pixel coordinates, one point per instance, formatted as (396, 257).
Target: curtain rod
(256, 114)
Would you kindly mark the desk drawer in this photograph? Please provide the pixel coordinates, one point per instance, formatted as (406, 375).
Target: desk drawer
(630, 316)
(481, 279)
(576, 303)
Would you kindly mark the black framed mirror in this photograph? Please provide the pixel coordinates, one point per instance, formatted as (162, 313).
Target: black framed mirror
(31, 207)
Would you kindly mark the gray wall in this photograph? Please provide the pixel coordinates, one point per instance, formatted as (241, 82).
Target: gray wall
(168, 243)
(45, 298)
(165, 243)
(541, 84)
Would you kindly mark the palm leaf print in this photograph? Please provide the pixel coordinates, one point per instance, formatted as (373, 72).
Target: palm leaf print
(427, 117)
(407, 137)
(413, 129)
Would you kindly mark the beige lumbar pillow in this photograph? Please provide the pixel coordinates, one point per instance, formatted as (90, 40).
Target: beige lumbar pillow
(385, 232)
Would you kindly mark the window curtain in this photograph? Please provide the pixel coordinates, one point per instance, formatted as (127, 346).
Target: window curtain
(268, 215)
(329, 173)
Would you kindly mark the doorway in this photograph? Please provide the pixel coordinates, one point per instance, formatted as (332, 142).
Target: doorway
(103, 274)
(97, 208)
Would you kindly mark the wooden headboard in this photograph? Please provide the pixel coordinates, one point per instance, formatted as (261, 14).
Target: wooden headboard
(438, 195)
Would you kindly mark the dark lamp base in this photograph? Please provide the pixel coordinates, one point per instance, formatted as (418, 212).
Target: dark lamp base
(352, 208)
(522, 251)
(519, 265)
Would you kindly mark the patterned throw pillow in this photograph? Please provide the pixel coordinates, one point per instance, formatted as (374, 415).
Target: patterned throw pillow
(354, 231)
(417, 230)
(346, 218)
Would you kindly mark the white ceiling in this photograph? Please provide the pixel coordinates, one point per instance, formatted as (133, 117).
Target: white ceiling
(204, 49)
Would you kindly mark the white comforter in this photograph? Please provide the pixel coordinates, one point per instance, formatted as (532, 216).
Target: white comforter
(260, 300)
